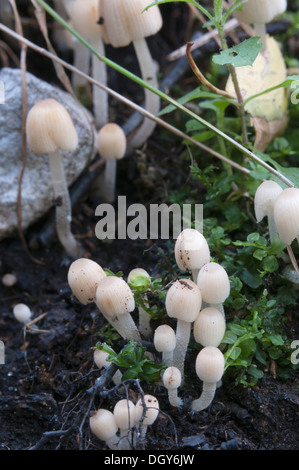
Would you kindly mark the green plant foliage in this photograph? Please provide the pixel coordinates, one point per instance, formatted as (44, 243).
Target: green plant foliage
(133, 361)
(241, 54)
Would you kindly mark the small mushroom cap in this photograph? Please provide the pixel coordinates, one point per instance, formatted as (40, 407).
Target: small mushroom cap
(191, 250)
(49, 128)
(152, 410)
(183, 300)
(114, 297)
(9, 279)
(100, 358)
(209, 364)
(260, 11)
(22, 313)
(84, 276)
(286, 215)
(164, 338)
(172, 378)
(264, 199)
(209, 327)
(84, 15)
(112, 142)
(138, 276)
(102, 424)
(125, 414)
(213, 283)
(125, 21)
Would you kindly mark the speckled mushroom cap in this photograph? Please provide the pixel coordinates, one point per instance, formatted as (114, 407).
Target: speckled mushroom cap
(114, 297)
(172, 378)
(152, 410)
(191, 250)
(183, 300)
(84, 276)
(124, 21)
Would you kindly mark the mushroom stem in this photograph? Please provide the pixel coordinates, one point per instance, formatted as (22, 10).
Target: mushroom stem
(152, 101)
(99, 73)
(81, 62)
(63, 206)
(144, 320)
(273, 232)
(206, 397)
(218, 307)
(183, 331)
(109, 182)
(260, 29)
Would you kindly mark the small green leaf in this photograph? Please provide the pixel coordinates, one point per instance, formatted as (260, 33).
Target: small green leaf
(241, 54)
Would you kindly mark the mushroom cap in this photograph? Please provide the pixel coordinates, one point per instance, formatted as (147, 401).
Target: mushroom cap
(172, 378)
(286, 215)
(100, 358)
(213, 283)
(84, 16)
(264, 199)
(22, 312)
(164, 338)
(125, 21)
(209, 327)
(102, 424)
(260, 11)
(125, 414)
(114, 297)
(112, 142)
(191, 250)
(49, 128)
(183, 300)
(152, 410)
(84, 276)
(209, 364)
(9, 279)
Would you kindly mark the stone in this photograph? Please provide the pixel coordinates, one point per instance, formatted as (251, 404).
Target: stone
(37, 194)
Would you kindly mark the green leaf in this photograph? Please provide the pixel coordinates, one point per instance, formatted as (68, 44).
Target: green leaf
(276, 339)
(229, 338)
(241, 54)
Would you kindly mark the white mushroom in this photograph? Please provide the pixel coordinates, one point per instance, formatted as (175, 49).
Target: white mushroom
(183, 302)
(49, 129)
(125, 417)
(115, 300)
(172, 380)
(209, 368)
(165, 342)
(146, 416)
(84, 276)
(264, 199)
(102, 424)
(209, 327)
(191, 251)
(100, 359)
(22, 313)
(112, 144)
(214, 285)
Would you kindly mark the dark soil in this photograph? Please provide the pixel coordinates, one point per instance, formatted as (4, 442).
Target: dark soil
(44, 383)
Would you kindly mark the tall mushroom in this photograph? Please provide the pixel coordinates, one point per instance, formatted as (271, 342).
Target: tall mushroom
(85, 16)
(286, 217)
(123, 22)
(209, 367)
(264, 200)
(183, 302)
(191, 251)
(49, 129)
(112, 144)
(165, 342)
(84, 276)
(115, 300)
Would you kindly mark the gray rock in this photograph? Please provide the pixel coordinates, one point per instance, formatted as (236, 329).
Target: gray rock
(37, 194)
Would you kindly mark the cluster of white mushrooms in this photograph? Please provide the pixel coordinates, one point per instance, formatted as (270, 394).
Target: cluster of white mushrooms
(122, 428)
